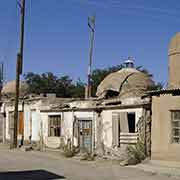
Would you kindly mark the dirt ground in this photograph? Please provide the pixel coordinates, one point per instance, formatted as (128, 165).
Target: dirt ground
(33, 165)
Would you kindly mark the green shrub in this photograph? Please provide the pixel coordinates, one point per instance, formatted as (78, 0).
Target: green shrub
(68, 152)
(87, 157)
(136, 154)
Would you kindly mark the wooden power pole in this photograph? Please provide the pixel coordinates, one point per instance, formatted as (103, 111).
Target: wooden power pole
(19, 67)
(91, 24)
(1, 77)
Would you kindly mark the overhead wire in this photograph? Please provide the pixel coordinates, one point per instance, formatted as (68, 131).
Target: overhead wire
(154, 12)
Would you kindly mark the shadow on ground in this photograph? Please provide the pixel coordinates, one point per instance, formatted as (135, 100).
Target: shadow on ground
(29, 175)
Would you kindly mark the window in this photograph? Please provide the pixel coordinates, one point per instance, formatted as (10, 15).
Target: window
(122, 123)
(55, 125)
(175, 120)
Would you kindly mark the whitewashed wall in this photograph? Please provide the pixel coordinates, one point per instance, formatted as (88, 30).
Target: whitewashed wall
(107, 123)
(33, 111)
(36, 125)
(30, 110)
(7, 110)
(66, 126)
(52, 142)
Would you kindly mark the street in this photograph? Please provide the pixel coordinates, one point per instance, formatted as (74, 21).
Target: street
(33, 165)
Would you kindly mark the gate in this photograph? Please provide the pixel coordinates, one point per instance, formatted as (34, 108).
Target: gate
(85, 136)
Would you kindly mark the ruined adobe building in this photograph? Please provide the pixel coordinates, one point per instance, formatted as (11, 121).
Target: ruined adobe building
(166, 111)
(104, 125)
(118, 117)
(123, 111)
(8, 92)
(30, 126)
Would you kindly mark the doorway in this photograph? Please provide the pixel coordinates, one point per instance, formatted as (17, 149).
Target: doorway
(131, 122)
(21, 123)
(85, 135)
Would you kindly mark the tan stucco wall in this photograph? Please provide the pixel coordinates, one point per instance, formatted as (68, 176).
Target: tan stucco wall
(162, 148)
(174, 73)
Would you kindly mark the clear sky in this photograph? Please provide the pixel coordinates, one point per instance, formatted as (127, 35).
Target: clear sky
(57, 35)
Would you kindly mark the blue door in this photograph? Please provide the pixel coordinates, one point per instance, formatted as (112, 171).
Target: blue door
(85, 135)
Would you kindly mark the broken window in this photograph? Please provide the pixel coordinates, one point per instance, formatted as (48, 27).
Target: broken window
(122, 122)
(175, 120)
(55, 125)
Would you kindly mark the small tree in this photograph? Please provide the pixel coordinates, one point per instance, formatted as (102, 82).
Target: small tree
(136, 153)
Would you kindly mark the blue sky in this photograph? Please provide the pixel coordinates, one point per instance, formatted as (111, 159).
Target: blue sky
(57, 35)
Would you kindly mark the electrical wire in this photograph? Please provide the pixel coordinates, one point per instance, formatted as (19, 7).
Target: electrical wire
(155, 12)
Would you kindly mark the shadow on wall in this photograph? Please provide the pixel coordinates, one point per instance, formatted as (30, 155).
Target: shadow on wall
(33, 175)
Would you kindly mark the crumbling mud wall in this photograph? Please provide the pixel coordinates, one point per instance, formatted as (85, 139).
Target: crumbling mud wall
(144, 131)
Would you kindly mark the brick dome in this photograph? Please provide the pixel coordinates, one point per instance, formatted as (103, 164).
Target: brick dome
(10, 88)
(128, 82)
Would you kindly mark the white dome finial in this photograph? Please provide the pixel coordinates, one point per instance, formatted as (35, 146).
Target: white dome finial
(129, 63)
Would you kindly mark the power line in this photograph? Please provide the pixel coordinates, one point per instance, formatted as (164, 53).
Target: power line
(128, 9)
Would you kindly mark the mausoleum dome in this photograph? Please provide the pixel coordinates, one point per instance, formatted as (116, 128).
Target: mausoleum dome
(127, 82)
(10, 88)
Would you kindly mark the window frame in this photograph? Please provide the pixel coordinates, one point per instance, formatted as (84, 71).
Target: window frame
(57, 118)
(119, 133)
(172, 136)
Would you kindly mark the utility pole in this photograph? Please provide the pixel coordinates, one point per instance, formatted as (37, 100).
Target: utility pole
(1, 77)
(91, 24)
(1, 104)
(22, 9)
(19, 68)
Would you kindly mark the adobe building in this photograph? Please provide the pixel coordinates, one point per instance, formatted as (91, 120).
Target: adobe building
(166, 111)
(106, 124)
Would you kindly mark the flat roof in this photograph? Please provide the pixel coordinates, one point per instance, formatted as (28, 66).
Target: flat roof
(174, 92)
(112, 107)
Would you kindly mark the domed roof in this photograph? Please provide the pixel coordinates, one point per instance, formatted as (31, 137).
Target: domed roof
(128, 82)
(10, 88)
(174, 46)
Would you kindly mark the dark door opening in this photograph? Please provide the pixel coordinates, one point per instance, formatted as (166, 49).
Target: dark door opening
(131, 122)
